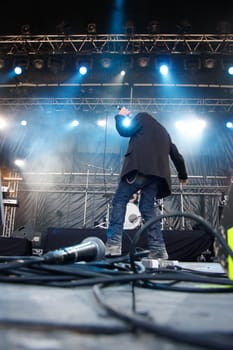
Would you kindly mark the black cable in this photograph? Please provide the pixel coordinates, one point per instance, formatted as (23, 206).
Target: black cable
(19, 262)
(195, 217)
(208, 340)
(51, 326)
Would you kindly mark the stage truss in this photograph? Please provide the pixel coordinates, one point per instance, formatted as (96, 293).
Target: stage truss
(100, 105)
(30, 44)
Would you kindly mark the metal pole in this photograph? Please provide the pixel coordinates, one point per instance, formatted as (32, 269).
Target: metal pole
(85, 200)
(182, 206)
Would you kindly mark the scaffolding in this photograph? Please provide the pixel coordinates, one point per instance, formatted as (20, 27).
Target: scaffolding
(10, 205)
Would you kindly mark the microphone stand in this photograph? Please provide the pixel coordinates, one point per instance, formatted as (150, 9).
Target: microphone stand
(85, 201)
(182, 207)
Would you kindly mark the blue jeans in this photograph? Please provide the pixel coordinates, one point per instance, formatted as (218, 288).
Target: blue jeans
(124, 192)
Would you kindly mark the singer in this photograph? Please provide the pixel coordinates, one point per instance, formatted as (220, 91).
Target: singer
(145, 168)
(91, 248)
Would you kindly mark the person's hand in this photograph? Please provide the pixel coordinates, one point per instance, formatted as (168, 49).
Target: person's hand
(183, 182)
(124, 111)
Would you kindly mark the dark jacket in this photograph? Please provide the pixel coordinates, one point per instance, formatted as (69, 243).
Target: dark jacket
(149, 149)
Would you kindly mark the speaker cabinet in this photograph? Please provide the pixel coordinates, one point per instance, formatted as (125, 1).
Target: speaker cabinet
(12, 246)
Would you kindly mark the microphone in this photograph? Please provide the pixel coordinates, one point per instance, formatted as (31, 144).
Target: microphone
(91, 248)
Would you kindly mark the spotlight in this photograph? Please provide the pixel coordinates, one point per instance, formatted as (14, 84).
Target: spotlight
(91, 28)
(143, 61)
(19, 162)
(38, 63)
(83, 70)
(106, 62)
(83, 66)
(164, 70)
(18, 70)
(227, 65)
(209, 63)
(75, 123)
(25, 29)
(20, 65)
(229, 125)
(101, 122)
(163, 65)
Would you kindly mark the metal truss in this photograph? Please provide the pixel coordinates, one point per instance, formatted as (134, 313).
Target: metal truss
(116, 44)
(10, 211)
(105, 183)
(109, 104)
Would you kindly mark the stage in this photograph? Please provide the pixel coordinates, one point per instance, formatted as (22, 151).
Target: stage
(100, 304)
(35, 316)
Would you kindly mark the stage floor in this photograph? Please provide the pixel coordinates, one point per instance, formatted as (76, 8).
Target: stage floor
(35, 316)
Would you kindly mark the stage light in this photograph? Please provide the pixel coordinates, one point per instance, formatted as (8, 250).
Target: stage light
(209, 63)
(230, 70)
(101, 122)
(191, 127)
(20, 163)
(143, 61)
(18, 70)
(83, 66)
(75, 123)
(164, 70)
(83, 70)
(227, 64)
(38, 63)
(229, 125)
(91, 28)
(20, 65)
(163, 64)
(25, 29)
(106, 62)
(2, 124)
(23, 122)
